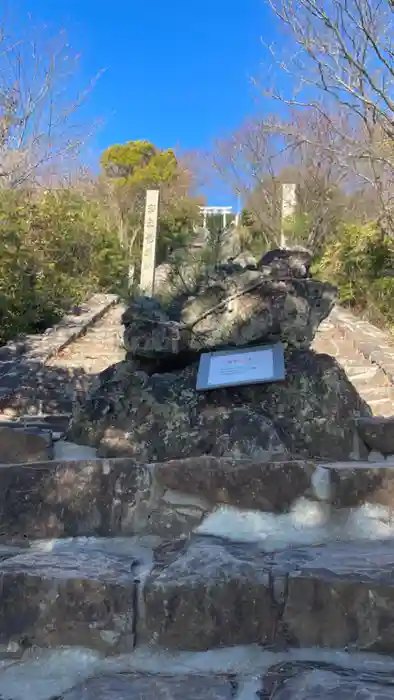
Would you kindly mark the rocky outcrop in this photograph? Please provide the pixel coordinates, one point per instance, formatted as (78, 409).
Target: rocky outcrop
(148, 408)
(293, 262)
(160, 417)
(232, 306)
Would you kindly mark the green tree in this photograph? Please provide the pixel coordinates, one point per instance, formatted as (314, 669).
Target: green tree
(132, 168)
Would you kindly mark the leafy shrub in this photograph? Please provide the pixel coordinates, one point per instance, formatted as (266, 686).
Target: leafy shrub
(56, 248)
(360, 262)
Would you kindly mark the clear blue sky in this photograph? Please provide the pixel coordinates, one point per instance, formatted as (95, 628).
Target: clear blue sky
(177, 72)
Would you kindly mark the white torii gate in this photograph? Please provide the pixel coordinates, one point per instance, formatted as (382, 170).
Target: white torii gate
(210, 211)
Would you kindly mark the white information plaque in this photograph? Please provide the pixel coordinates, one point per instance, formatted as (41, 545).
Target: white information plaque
(241, 366)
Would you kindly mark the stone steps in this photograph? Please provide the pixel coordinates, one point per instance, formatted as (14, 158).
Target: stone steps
(307, 573)
(371, 393)
(370, 381)
(119, 497)
(286, 559)
(99, 348)
(52, 388)
(202, 593)
(382, 407)
(211, 593)
(202, 676)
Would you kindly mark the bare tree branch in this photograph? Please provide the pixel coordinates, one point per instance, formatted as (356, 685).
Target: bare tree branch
(341, 62)
(39, 99)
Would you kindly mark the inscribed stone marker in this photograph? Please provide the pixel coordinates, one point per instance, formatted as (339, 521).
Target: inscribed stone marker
(289, 203)
(242, 366)
(148, 261)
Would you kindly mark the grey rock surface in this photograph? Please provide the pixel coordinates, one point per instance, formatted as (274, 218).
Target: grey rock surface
(162, 416)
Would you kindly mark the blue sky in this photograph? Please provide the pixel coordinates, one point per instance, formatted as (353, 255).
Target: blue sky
(176, 72)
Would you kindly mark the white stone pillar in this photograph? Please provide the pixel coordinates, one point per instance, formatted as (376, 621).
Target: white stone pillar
(289, 202)
(148, 260)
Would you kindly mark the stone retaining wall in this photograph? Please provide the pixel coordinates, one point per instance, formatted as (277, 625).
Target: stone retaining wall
(20, 358)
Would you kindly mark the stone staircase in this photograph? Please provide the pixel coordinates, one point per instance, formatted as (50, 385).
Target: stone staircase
(198, 578)
(370, 380)
(174, 580)
(61, 363)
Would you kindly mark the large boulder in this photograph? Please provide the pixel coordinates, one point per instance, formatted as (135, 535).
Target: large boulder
(148, 408)
(232, 306)
(162, 416)
(150, 333)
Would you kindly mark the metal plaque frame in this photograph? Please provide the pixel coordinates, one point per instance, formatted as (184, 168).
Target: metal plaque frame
(278, 361)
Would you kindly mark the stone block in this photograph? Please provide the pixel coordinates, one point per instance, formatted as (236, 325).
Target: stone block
(339, 595)
(377, 433)
(54, 599)
(270, 486)
(160, 687)
(209, 593)
(20, 446)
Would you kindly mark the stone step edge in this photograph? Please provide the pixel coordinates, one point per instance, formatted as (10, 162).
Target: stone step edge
(318, 463)
(373, 344)
(321, 486)
(37, 424)
(27, 419)
(48, 345)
